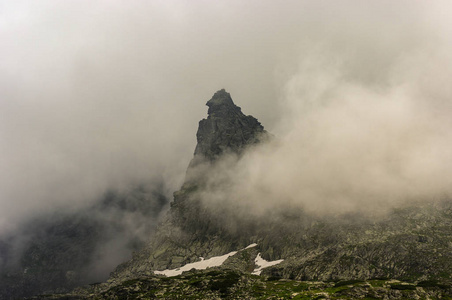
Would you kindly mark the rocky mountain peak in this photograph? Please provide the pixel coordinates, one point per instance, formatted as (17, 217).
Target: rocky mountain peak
(220, 102)
(226, 129)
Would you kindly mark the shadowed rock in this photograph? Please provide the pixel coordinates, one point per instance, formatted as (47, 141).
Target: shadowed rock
(226, 129)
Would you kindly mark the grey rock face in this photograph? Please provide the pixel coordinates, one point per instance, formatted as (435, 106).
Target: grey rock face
(226, 129)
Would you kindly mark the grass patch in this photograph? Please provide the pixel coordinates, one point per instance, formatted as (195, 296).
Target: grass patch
(214, 273)
(131, 282)
(378, 283)
(432, 284)
(403, 287)
(273, 278)
(224, 283)
(347, 282)
(196, 283)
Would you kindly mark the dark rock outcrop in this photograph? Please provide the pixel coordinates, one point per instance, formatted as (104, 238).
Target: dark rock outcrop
(226, 129)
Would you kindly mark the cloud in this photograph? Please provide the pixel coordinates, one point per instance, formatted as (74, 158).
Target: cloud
(98, 94)
(365, 128)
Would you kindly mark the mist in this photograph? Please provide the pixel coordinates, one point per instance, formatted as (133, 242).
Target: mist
(346, 146)
(102, 95)
(98, 95)
(364, 126)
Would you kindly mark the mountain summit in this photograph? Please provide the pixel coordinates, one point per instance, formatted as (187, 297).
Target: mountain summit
(220, 100)
(226, 129)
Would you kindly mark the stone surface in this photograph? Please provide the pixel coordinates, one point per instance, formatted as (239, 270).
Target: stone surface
(226, 129)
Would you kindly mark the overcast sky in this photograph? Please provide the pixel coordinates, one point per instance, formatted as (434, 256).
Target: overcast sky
(106, 94)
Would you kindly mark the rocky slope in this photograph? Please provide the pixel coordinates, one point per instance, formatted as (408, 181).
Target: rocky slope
(226, 129)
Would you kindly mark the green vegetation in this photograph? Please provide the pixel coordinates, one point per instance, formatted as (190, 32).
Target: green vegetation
(403, 287)
(433, 284)
(230, 284)
(224, 282)
(347, 282)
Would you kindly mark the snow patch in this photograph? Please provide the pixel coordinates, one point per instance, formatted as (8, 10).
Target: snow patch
(201, 265)
(262, 264)
(251, 246)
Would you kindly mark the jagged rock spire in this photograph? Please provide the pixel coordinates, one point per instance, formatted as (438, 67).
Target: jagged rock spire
(225, 129)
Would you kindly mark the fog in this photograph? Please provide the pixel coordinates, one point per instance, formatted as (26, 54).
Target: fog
(365, 119)
(99, 95)
(346, 146)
